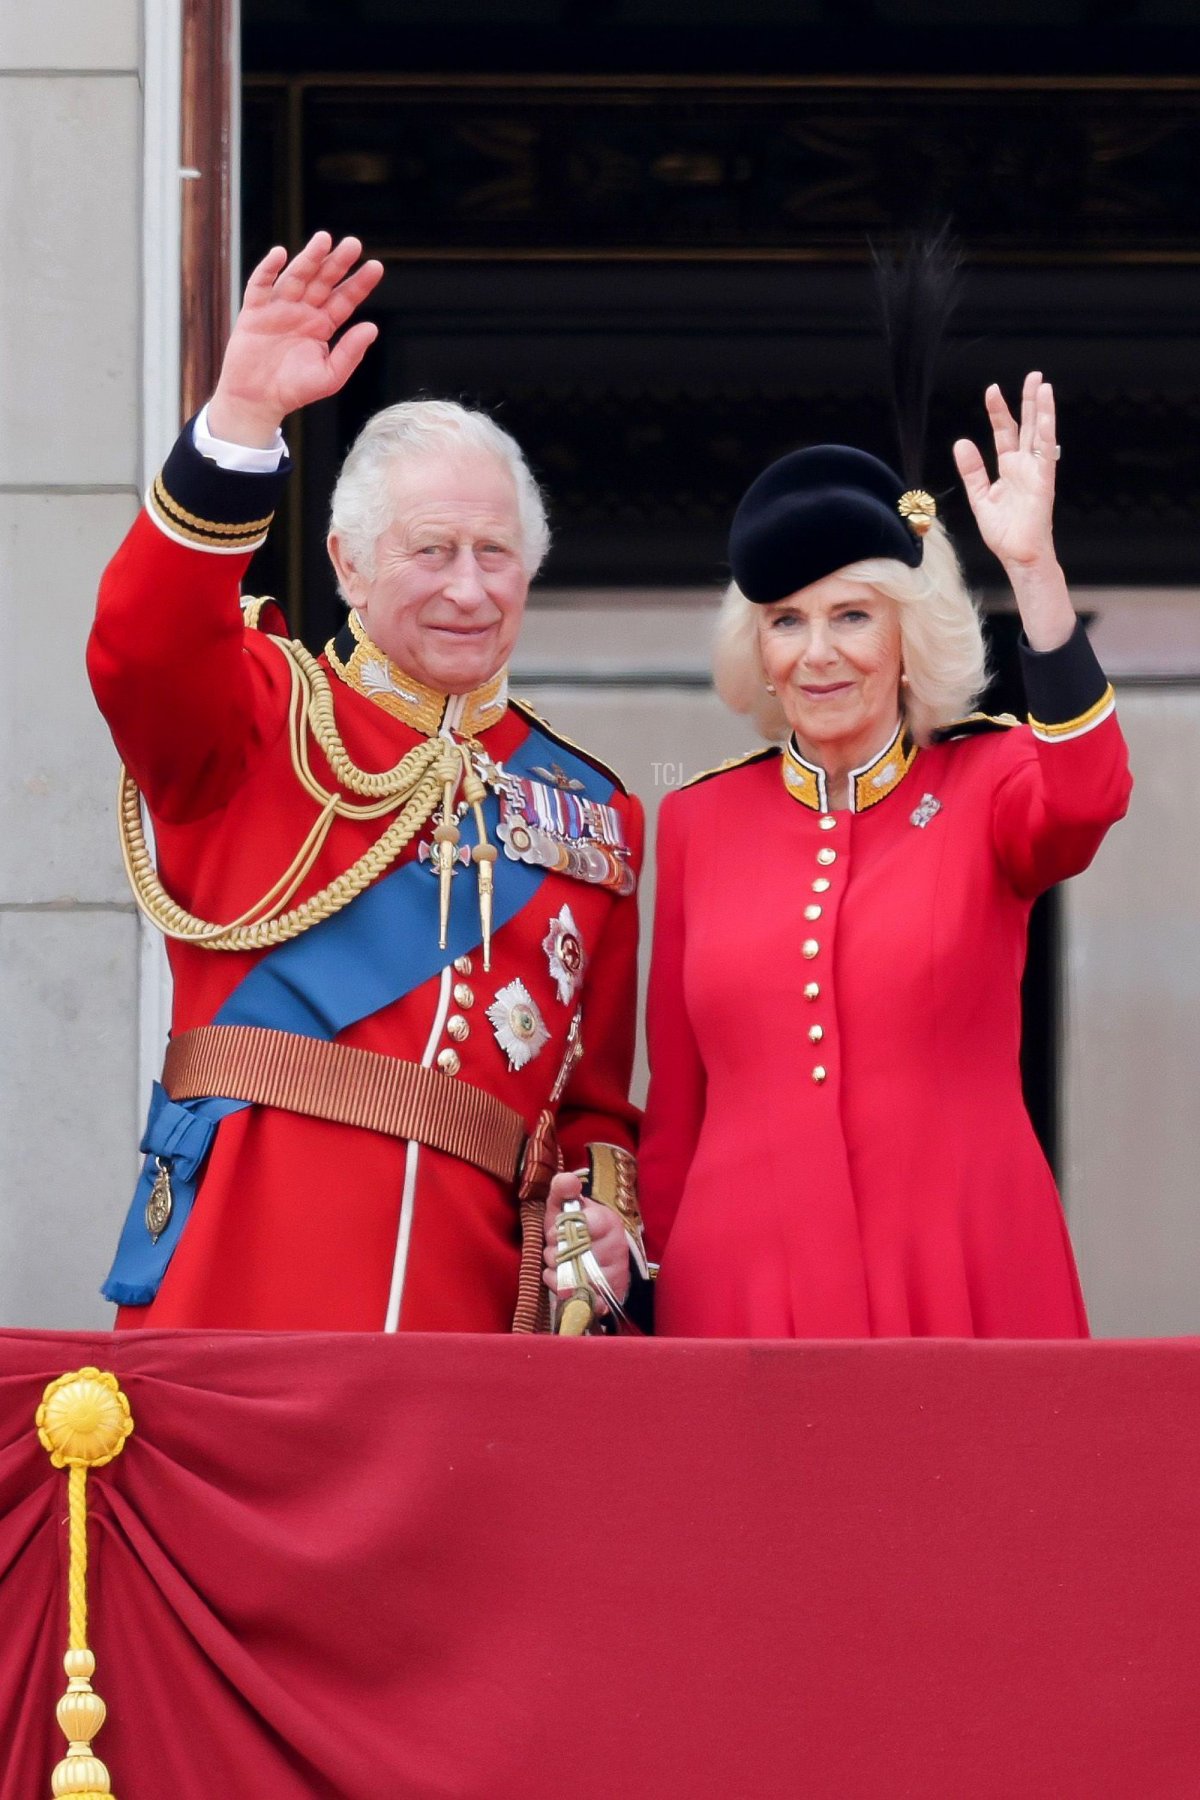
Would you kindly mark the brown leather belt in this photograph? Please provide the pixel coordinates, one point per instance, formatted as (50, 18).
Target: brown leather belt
(347, 1086)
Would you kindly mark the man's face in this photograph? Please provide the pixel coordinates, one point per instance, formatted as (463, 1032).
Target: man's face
(448, 592)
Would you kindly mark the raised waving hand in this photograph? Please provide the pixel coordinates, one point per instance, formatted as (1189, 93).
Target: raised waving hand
(281, 354)
(1015, 512)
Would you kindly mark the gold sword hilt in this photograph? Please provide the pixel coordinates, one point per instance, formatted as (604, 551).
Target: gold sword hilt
(577, 1297)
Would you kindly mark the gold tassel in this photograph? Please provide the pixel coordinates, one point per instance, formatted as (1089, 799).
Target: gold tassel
(82, 1423)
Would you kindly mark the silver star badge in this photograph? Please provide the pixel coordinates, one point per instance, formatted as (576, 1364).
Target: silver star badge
(564, 952)
(519, 1027)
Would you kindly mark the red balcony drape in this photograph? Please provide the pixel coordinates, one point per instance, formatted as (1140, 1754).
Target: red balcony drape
(335, 1568)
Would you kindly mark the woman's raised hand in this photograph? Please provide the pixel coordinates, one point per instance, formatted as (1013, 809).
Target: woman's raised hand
(280, 355)
(1015, 512)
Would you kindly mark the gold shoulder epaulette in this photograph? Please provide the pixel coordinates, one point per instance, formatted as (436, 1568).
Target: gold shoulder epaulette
(253, 607)
(560, 737)
(976, 724)
(733, 762)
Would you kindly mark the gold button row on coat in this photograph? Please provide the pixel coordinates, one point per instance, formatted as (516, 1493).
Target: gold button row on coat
(449, 1061)
(810, 947)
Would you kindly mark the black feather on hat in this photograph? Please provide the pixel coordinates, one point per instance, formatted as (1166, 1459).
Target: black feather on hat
(918, 291)
(818, 510)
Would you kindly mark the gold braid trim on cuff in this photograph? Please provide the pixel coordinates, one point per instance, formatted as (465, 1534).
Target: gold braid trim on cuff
(203, 531)
(412, 788)
(1075, 727)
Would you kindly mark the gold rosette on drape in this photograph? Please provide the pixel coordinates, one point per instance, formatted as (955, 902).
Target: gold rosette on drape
(82, 1424)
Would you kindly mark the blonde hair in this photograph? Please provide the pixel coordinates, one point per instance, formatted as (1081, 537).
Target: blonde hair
(941, 642)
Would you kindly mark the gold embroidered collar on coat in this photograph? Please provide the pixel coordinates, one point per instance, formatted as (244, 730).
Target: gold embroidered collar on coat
(873, 782)
(368, 671)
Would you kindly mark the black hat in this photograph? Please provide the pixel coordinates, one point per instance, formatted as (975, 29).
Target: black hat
(818, 510)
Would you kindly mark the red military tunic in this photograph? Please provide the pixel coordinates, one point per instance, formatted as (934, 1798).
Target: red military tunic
(300, 1223)
(835, 1141)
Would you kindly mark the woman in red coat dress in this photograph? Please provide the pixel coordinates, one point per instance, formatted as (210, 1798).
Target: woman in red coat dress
(836, 1143)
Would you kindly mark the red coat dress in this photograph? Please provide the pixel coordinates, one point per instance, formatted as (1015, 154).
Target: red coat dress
(835, 1141)
(298, 1222)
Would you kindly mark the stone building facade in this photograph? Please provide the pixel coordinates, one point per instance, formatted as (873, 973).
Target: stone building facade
(89, 382)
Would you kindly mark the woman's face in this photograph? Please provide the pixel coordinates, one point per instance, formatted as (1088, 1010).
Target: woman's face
(832, 653)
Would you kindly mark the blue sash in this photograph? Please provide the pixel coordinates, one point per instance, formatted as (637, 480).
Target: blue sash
(379, 948)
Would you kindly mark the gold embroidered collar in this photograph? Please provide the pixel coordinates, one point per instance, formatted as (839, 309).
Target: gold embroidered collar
(806, 781)
(368, 671)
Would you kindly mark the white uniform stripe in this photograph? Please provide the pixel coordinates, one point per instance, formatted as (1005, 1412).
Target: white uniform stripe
(412, 1156)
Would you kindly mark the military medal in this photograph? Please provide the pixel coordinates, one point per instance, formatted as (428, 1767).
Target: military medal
(565, 954)
(426, 853)
(928, 809)
(161, 1203)
(519, 1027)
(571, 1055)
(553, 824)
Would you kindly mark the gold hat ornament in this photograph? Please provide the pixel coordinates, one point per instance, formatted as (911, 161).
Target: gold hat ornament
(918, 509)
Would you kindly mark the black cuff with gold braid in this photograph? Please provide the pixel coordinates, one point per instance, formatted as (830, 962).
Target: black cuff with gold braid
(210, 508)
(1066, 690)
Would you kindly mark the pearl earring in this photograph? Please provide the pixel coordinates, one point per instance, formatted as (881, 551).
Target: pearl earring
(770, 687)
(903, 679)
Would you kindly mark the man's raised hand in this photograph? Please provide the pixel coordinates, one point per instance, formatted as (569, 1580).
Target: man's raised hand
(280, 356)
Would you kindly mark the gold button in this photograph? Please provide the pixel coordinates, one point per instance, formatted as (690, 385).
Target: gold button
(825, 857)
(828, 822)
(812, 912)
(815, 1033)
(819, 1074)
(463, 995)
(463, 965)
(812, 991)
(458, 1028)
(821, 885)
(809, 948)
(449, 1062)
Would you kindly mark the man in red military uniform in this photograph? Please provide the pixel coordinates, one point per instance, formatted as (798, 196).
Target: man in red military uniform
(401, 911)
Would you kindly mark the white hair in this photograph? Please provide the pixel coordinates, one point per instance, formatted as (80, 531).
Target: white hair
(941, 642)
(362, 507)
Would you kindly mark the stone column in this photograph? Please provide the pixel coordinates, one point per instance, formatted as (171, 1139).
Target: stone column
(70, 453)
